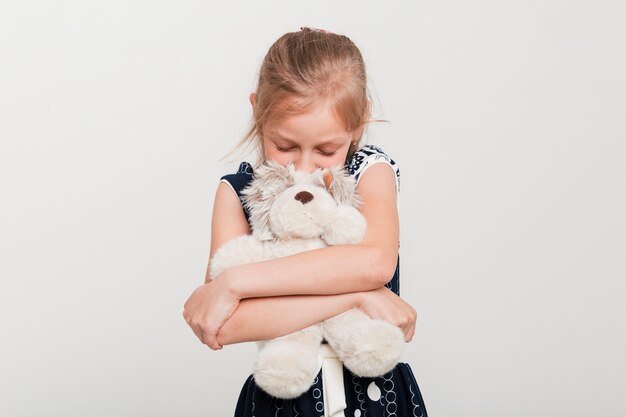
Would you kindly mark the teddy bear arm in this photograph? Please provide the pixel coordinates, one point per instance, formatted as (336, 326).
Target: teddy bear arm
(346, 226)
(238, 251)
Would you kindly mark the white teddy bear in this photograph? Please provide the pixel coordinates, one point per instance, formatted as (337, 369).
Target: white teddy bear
(293, 211)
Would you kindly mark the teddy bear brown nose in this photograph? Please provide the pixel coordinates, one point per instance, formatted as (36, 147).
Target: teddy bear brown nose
(304, 197)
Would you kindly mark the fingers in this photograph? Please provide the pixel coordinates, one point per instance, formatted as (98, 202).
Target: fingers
(410, 328)
(406, 329)
(407, 323)
(210, 339)
(413, 319)
(206, 336)
(411, 333)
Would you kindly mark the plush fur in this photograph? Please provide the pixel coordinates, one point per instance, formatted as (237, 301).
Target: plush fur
(291, 212)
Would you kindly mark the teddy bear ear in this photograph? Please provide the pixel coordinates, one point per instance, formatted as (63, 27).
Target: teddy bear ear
(328, 179)
(269, 180)
(342, 186)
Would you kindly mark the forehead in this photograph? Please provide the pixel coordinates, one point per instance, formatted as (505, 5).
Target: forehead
(317, 124)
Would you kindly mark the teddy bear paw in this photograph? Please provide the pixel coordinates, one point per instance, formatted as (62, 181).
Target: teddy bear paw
(375, 349)
(286, 371)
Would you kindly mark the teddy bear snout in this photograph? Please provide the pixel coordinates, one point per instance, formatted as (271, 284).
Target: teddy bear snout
(304, 197)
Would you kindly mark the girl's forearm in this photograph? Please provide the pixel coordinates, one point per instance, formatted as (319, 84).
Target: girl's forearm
(270, 317)
(331, 270)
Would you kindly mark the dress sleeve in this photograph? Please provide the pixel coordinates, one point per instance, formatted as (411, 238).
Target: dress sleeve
(367, 156)
(238, 181)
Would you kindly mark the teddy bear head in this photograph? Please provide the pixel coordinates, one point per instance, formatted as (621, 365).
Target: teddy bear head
(287, 204)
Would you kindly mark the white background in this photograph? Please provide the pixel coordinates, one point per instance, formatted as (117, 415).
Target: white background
(508, 127)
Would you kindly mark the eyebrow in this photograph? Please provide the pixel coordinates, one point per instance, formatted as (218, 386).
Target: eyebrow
(322, 143)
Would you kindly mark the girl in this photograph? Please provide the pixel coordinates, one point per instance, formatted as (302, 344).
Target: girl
(310, 108)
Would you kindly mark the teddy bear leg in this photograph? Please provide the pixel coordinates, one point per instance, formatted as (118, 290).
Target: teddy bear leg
(367, 347)
(287, 366)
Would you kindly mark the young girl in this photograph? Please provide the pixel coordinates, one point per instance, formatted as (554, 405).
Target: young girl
(310, 108)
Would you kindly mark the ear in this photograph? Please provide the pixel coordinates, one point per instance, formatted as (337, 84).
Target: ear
(253, 102)
(269, 180)
(358, 133)
(342, 186)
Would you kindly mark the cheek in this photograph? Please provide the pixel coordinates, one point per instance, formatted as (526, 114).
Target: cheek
(337, 159)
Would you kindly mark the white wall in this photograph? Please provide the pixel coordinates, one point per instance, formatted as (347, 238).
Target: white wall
(507, 124)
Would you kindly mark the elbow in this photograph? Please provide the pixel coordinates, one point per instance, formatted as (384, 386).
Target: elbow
(229, 333)
(383, 266)
(223, 338)
(238, 330)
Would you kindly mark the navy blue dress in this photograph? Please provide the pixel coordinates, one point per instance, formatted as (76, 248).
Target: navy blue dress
(395, 394)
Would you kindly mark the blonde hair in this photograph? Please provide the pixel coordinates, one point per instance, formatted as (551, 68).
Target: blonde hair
(305, 68)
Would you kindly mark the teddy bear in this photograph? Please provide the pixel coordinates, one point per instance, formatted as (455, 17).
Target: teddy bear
(294, 211)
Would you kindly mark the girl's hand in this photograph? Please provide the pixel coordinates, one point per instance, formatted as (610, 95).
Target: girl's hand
(208, 308)
(384, 304)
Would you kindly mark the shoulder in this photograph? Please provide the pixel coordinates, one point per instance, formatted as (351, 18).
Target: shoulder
(239, 180)
(368, 156)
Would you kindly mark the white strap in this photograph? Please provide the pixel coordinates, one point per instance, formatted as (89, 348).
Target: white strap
(332, 382)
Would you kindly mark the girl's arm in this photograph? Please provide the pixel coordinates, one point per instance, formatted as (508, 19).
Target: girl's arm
(270, 317)
(255, 318)
(334, 269)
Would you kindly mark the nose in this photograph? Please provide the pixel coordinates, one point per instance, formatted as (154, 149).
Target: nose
(305, 164)
(304, 197)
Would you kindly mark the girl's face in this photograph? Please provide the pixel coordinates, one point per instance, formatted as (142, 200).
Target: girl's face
(315, 139)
